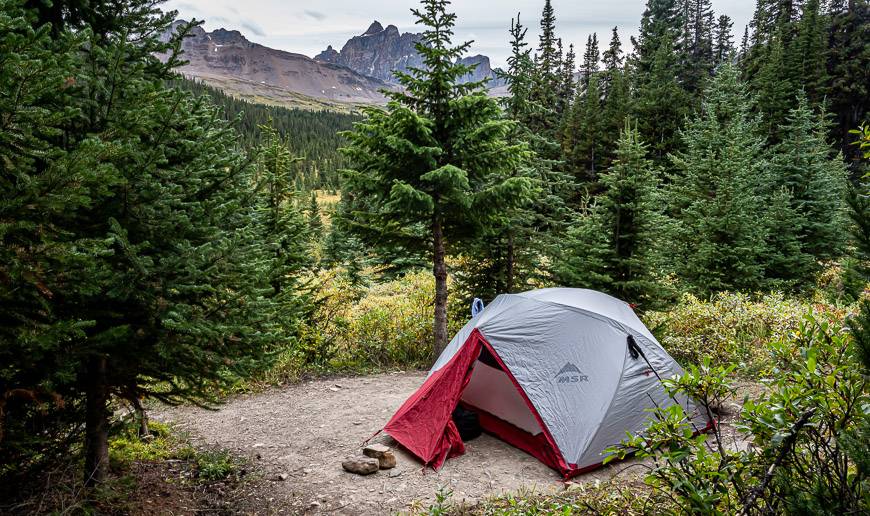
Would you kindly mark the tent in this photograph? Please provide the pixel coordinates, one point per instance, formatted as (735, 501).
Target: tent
(559, 373)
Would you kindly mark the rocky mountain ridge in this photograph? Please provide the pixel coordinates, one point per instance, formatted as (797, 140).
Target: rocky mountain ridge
(227, 57)
(379, 51)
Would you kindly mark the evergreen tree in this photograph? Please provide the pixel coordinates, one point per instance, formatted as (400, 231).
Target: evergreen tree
(584, 141)
(613, 58)
(591, 58)
(696, 45)
(546, 82)
(659, 121)
(815, 184)
(170, 281)
(616, 97)
(723, 40)
(848, 65)
(715, 196)
(611, 247)
(567, 86)
(283, 225)
(315, 221)
(435, 165)
(506, 254)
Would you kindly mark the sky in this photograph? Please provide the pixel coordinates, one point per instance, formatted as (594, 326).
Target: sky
(307, 27)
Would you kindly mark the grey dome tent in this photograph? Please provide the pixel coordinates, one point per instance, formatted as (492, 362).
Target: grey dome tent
(560, 373)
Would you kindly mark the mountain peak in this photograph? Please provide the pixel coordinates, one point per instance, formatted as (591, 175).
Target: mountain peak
(374, 28)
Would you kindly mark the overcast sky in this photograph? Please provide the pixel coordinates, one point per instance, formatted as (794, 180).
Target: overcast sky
(307, 27)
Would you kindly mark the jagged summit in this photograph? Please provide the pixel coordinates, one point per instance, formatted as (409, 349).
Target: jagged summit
(378, 52)
(227, 58)
(374, 28)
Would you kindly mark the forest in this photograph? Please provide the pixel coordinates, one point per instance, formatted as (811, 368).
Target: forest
(164, 244)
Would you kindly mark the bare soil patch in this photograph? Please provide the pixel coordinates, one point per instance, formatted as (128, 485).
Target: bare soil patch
(304, 431)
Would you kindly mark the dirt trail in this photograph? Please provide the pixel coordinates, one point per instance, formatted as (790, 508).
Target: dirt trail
(306, 430)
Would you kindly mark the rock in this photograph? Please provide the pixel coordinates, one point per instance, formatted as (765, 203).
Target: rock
(361, 465)
(386, 459)
(334, 389)
(395, 473)
(281, 476)
(375, 450)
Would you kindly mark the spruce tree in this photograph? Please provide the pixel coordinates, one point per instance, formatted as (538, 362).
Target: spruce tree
(659, 121)
(547, 78)
(715, 194)
(169, 282)
(315, 221)
(723, 40)
(584, 141)
(802, 166)
(610, 248)
(435, 165)
(591, 57)
(848, 65)
(696, 45)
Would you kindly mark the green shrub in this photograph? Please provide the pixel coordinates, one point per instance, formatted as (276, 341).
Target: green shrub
(216, 465)
(732, 327)
(802, 454)
(126, 447)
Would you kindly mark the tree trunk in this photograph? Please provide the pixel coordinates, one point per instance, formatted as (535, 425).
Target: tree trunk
(142, 417)
(96, 423)
(439, 270)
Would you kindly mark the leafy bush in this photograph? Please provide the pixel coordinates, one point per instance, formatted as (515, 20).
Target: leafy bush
(805, 452)
(732, 327)
(127, 447)
(355, 328)
(216, 465)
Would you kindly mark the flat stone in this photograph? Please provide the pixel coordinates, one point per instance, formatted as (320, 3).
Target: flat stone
(376, 450)
(361, 465)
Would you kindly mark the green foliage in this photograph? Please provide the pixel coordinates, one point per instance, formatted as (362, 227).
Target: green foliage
(803, 457)
(715, 195)
(436, 165)
(138, 247)
(313, 135)
(611, 248)
(814, 185)
(213, 465)
(441, 506)
(731, 327)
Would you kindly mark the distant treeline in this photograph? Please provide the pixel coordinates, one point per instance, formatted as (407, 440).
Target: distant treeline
(312, 135)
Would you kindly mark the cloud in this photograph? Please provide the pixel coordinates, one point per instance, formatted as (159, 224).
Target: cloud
(314, 14)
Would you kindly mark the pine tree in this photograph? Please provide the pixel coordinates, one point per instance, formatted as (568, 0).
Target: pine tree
(567, 86)
(584, 141)
(591, 58)
(696, 45)
(723, 40)
(315, 221)
(658, 121)
(715, 196)
(169, 284)
(283, 225)
(815, 182)
(613, 58)
(848, 65)
(435, 165)
(611, 247)
(546, 77)
(616, 97)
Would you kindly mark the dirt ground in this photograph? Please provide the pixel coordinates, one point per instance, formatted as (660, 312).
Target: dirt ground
(304, 431)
